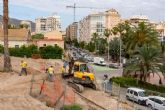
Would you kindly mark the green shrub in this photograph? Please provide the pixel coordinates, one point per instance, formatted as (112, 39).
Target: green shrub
(52, 52)
(127, 82)
(38, 36)
(1, 49)
(71, 107)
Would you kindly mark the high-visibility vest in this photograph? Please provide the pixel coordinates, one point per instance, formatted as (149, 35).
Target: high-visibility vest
(50, 70)
(24, 64)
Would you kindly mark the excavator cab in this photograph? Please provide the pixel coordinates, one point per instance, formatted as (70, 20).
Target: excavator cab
(81, 73)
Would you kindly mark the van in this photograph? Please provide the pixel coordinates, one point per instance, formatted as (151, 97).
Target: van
(136, 95)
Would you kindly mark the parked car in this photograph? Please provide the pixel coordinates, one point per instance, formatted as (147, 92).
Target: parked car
(156, 102)
(137, 95)
(114, 65)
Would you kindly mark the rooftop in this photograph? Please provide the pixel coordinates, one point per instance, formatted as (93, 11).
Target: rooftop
(15, 34)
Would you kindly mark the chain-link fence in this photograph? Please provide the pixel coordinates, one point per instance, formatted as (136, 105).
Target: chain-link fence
(54, 94)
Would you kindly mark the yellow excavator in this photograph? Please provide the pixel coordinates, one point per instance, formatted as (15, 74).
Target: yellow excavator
(79, 76)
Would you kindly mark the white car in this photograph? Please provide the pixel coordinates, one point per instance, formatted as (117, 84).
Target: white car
(136, 95)
(156, 103)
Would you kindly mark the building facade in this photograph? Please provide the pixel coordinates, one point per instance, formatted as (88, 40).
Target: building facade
(50, 38)
(72, 31)
(28, 23)
(16, 37)
(97, 23)
(46, 24)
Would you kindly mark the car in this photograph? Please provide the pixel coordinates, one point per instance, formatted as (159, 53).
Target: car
(156, 102)
(136, 95)
(114, 65)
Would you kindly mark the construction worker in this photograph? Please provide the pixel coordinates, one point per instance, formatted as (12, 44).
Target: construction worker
(23, 68)
(63, 69)
(50, 73)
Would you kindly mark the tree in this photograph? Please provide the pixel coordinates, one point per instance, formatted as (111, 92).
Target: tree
(143, 34)
(124, 31)
(94, 39)
(107, 33)
(144, 61)
(75, 43)
(161, 68)
(38, 36)
(7, 63)
(90, 46)
(102, 44)
(23, 26)
(163, 48)
(82, 44)
(114, 48)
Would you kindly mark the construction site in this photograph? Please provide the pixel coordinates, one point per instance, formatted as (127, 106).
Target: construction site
(33, 92)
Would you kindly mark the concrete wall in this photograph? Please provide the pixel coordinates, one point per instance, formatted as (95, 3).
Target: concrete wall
(13, 43)
(59, 43)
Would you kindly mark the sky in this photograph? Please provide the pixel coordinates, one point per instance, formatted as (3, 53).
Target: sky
(31, 9)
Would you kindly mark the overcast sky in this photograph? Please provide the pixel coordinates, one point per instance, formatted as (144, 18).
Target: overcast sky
(30, 9)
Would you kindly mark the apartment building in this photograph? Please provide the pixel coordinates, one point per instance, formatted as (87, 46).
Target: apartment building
(46, 24)
(159, 27)
(98, 22)
(72, 31)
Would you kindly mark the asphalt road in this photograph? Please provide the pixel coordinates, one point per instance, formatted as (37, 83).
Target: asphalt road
(99, 75)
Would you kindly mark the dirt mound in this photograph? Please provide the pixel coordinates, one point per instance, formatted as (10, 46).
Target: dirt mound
(14, 93)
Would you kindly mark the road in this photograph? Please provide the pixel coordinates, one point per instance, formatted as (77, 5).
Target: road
(99, 74)
(100, 71)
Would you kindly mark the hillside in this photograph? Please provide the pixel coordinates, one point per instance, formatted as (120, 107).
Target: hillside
(16, 22)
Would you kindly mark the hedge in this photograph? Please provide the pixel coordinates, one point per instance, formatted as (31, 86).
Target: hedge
(24, 51)
(53, 52)
(71, 107)
(131, 82)
(47, 52)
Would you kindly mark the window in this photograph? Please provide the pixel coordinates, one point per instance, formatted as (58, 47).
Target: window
(16, 46)
(44, 45)
(83, 68)
(142, 94)
(131, 91)
(158, 101)
(135, 93)
(128, 91)
(152, 99)
(76, 68)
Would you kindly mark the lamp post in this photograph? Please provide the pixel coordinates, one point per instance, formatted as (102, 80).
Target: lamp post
(120, 62)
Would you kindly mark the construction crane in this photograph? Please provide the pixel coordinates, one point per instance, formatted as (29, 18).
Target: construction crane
(74, 9)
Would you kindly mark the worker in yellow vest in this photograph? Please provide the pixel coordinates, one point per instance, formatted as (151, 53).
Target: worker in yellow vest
(23, 68)
(50, 73)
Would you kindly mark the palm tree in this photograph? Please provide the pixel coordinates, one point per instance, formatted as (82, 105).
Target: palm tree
(144, 61)
(163, 48)
(161, 68)
(114, 50)
(107, 33)
(143, 34)
(7, 63)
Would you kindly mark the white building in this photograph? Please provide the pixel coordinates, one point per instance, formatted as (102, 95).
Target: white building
(28, 23)
(16, 37)
(46, 24)
(96, 23)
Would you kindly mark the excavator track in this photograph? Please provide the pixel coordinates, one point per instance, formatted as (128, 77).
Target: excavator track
(78, 87)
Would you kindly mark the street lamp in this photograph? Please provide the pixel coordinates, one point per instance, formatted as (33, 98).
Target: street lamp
(120, 60)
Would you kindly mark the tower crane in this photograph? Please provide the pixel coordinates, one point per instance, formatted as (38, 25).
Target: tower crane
(74, 9)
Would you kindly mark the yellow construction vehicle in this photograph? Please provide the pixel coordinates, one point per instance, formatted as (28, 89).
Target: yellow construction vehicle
(81, 76)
